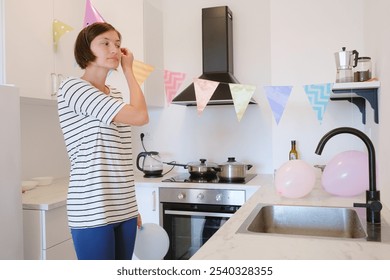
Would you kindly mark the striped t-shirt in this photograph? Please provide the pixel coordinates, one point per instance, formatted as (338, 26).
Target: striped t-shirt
(101, 186)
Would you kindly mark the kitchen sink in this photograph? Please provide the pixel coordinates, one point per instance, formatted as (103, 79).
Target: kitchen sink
(318, 221)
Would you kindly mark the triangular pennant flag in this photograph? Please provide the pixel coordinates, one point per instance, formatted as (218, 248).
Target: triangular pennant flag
(318, 95)
(204, 89)
(173, 81)
(241, 95)
(277, 98)
(59, 29)
(91, 14)
(141, 71)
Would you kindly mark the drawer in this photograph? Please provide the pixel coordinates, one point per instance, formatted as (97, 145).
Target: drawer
(55, 227)
(62, 251)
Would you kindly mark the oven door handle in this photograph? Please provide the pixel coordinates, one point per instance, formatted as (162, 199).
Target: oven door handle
(194, 213)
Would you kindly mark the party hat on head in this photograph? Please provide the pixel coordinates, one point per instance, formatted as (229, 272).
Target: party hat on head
(91, 14)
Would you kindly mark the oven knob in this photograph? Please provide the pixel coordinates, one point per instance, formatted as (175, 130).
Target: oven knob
(181, 196)
(200, 196)
(218, 197)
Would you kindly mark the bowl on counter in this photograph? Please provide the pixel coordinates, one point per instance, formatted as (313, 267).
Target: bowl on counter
(28, 185)
(43, 181)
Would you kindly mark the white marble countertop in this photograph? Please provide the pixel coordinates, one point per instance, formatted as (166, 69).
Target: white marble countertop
(54, 195)
(227, 244)
(46, 197)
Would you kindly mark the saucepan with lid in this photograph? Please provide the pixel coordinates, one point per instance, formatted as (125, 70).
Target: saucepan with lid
(200, 169)
(233, 171)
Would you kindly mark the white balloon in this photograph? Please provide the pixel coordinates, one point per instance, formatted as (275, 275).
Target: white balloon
(151, 243)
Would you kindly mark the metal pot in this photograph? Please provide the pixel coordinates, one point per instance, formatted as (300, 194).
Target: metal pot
(200, 169)
(233, 170)
(203, 169)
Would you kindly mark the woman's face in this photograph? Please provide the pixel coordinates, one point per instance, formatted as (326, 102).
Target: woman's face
(106, 48)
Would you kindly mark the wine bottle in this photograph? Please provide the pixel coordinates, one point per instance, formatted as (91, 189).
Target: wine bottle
(293, 152)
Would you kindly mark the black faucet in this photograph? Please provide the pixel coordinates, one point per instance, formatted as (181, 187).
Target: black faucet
(373, 205)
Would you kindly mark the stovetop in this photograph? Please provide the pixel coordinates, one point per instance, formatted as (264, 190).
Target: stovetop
(186, 178)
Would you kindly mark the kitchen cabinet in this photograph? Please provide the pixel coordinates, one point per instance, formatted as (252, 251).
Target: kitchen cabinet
(31, 59)
(154, 53)
(28, 49)
(148, 203)
(11, 235)
(46, 235)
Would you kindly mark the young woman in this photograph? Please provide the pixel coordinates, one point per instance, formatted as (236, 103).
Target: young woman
(96, 124)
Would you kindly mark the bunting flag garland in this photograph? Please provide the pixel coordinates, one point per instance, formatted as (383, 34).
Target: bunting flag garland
(141, 71)
(59, 29)
(318, 96)
(241, 95)
(204, 89)
(277, 98)
(172, 81)
(91, 14)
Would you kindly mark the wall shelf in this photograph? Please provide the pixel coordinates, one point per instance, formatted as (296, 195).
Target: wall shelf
(358, 93)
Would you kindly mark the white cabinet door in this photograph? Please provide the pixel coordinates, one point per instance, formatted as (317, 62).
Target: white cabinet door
(46, 235)
(62, 251)
(30, 55)
(56, 228)
(28, 46)
(154, 89)
(148, 203)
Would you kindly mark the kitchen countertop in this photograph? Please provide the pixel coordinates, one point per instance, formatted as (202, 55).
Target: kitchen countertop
(46, 197)
(227, 244)
(54, 195)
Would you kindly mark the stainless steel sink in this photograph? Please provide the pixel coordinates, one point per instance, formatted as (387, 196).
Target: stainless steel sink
(304, 220)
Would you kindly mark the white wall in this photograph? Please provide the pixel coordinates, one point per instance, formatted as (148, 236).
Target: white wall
(378, 46)
(305, 36)
(178, 132)
(276, 42)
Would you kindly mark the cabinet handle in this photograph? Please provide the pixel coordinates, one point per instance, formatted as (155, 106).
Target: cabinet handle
(154, 201)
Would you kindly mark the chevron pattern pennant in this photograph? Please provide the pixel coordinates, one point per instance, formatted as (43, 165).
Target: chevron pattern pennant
(277, 98)
(173, 81)
(318, 95)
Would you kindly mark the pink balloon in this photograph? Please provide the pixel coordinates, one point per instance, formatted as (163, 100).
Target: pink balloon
(346, 174)
(295, 179)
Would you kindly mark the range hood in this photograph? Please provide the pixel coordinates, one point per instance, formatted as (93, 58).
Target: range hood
(217, 48)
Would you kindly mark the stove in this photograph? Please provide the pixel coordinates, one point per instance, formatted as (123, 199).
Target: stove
(191, 215)
(187, 178)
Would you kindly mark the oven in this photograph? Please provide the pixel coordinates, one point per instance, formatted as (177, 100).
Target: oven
(191, 214)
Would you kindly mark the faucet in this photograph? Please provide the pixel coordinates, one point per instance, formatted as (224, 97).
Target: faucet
(373, 205)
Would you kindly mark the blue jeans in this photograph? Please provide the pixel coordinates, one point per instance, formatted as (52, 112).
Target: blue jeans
(111, 242)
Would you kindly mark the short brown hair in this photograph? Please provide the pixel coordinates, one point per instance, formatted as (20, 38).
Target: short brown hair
(82, 47)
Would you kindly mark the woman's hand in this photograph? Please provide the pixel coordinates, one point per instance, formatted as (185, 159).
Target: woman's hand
(126, 59)
(139, 221)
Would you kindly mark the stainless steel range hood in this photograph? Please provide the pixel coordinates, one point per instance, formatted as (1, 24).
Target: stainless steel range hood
(217, 47)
